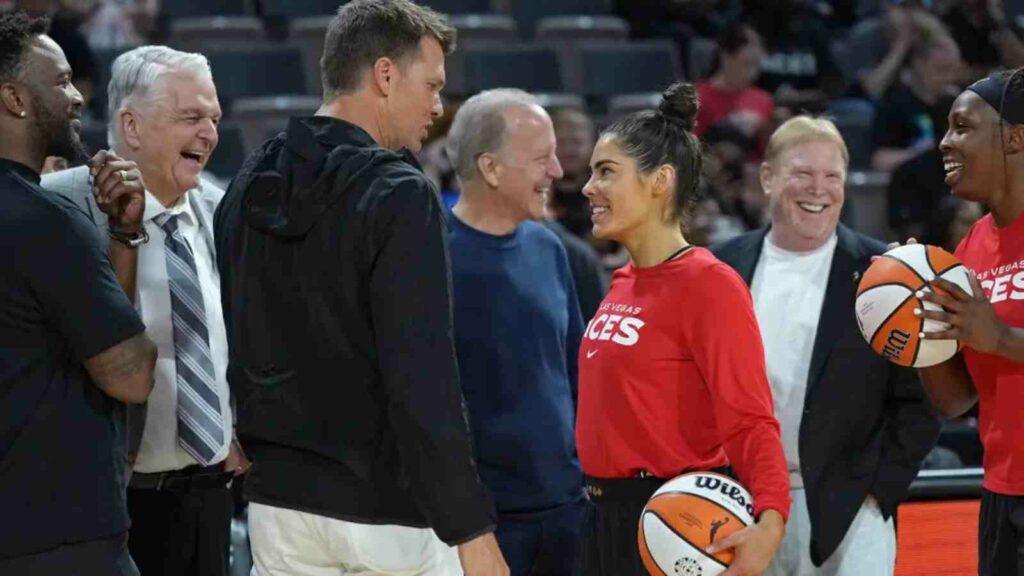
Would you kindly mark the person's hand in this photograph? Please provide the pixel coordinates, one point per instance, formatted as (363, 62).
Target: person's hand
(237, 461)
(893, 245)
(972, 319)
(900, 21)
(482, 557)
(754, 545)
(119, 190)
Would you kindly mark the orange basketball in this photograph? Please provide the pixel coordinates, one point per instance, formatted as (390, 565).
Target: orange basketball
(886, 299)
(685, 516)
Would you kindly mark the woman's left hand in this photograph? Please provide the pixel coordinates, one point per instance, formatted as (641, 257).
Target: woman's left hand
(754, 545)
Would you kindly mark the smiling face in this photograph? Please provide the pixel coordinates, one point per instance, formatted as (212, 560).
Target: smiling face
(526, 162)
(805, 185)
(621, 202)
(172, 133)
(415, 101)
(971, 149)
(56, 104)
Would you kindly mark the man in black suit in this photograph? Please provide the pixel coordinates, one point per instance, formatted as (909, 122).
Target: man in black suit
(855, 428)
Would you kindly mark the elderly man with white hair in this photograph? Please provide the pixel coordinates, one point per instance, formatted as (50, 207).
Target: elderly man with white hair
(517, 328)
(164, 112)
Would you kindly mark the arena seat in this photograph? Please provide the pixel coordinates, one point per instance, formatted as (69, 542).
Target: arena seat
(230, 152)
(528, 12)
(576, 28)
(206, 32)
(531, 68)
(258, 70)
(453, 7)
(299, 8)
(307, 35)
(612, 68)
(474, 28)
(261, 117)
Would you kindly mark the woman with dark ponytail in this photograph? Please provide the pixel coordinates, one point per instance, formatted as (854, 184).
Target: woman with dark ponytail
(672, 373)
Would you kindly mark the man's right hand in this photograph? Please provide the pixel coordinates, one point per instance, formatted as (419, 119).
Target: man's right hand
(482, 557)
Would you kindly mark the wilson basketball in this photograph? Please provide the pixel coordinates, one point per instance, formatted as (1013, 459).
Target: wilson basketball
(886, 301)
(685, 516)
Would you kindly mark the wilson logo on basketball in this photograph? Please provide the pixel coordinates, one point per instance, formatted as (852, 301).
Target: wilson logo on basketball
(727, 489)
(896, 344)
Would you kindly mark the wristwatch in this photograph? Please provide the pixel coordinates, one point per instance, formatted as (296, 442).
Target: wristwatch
(129, 239)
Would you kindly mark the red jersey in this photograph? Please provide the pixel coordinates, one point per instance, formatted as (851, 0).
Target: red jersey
(996, 256)
(718, 104)
(672, 379)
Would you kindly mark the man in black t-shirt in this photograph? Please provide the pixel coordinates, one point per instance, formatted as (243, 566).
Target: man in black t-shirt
(72, 348)
(912, 117)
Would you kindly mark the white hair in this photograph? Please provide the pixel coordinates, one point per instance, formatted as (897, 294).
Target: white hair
(135, 73)
(479, 127)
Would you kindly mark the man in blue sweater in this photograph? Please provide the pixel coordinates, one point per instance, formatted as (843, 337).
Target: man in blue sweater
(517, 328)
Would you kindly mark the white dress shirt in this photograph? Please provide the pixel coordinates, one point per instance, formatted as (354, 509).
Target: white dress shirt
(159, 451)
(788, 290)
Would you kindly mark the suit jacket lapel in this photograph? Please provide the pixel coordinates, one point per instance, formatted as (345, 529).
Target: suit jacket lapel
(746, 256)
(837, 308)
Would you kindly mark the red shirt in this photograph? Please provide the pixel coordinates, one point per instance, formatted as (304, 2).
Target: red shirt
(672, 378)
(996, 256)
(717, 104)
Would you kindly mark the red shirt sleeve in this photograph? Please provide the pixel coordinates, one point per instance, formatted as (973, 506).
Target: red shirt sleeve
(726, 343)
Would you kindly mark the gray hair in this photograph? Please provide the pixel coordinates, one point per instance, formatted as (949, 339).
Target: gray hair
(135, 73)
(479, 127)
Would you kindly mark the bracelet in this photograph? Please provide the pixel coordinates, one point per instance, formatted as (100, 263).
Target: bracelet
(129, 239)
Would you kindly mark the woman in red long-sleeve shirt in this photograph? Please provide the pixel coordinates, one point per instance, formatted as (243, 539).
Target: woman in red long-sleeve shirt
(672, 372)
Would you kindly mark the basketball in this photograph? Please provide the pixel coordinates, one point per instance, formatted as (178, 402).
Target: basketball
(886, 301)
(685, 516)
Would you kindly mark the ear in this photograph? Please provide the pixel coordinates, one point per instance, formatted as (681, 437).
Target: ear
(385, 73)
(1015, 139)
(664, 180)
(13, 103)
(766, 177)
(489, 168)
(128, 123)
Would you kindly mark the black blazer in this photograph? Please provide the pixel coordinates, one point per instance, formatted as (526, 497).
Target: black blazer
(867, 424)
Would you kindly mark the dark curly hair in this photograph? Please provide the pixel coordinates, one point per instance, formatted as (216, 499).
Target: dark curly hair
(17, 30)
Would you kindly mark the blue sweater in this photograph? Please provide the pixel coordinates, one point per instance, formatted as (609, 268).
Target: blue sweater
(517, 334)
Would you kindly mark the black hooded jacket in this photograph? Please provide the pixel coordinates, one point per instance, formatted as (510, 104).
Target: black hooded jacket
(337, 299)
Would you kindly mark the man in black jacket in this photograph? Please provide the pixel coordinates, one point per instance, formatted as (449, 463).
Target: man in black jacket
(337, 297)
(855, 428)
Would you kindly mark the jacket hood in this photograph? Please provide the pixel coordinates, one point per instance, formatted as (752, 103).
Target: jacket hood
(307, 168)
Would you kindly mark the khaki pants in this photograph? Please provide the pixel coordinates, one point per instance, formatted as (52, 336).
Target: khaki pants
(292, 543)
(869, 547)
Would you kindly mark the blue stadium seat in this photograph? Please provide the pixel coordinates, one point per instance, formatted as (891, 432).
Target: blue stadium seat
(528, 12)
(257, 70)
(195, 8)
(854, 118)
(531, 68)
(610, 69)
(300, 8)
(230, 153)
(459, 6)
(104, 60)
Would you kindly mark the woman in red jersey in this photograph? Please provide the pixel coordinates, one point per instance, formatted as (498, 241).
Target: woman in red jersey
(982, 154)
(672, 373)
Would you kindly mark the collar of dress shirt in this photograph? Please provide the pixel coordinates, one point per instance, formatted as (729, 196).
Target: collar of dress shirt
(182, 208)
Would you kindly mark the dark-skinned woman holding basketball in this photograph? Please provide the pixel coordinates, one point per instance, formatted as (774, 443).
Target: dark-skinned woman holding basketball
(983, 153)
(672, 373)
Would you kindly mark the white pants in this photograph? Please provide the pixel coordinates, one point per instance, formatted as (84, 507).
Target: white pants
(292, 543)
(868, 549)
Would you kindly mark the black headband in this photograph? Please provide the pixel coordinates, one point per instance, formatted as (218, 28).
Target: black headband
(992, 90)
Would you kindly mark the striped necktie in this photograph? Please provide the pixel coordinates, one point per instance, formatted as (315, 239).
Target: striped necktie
(200, 426)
